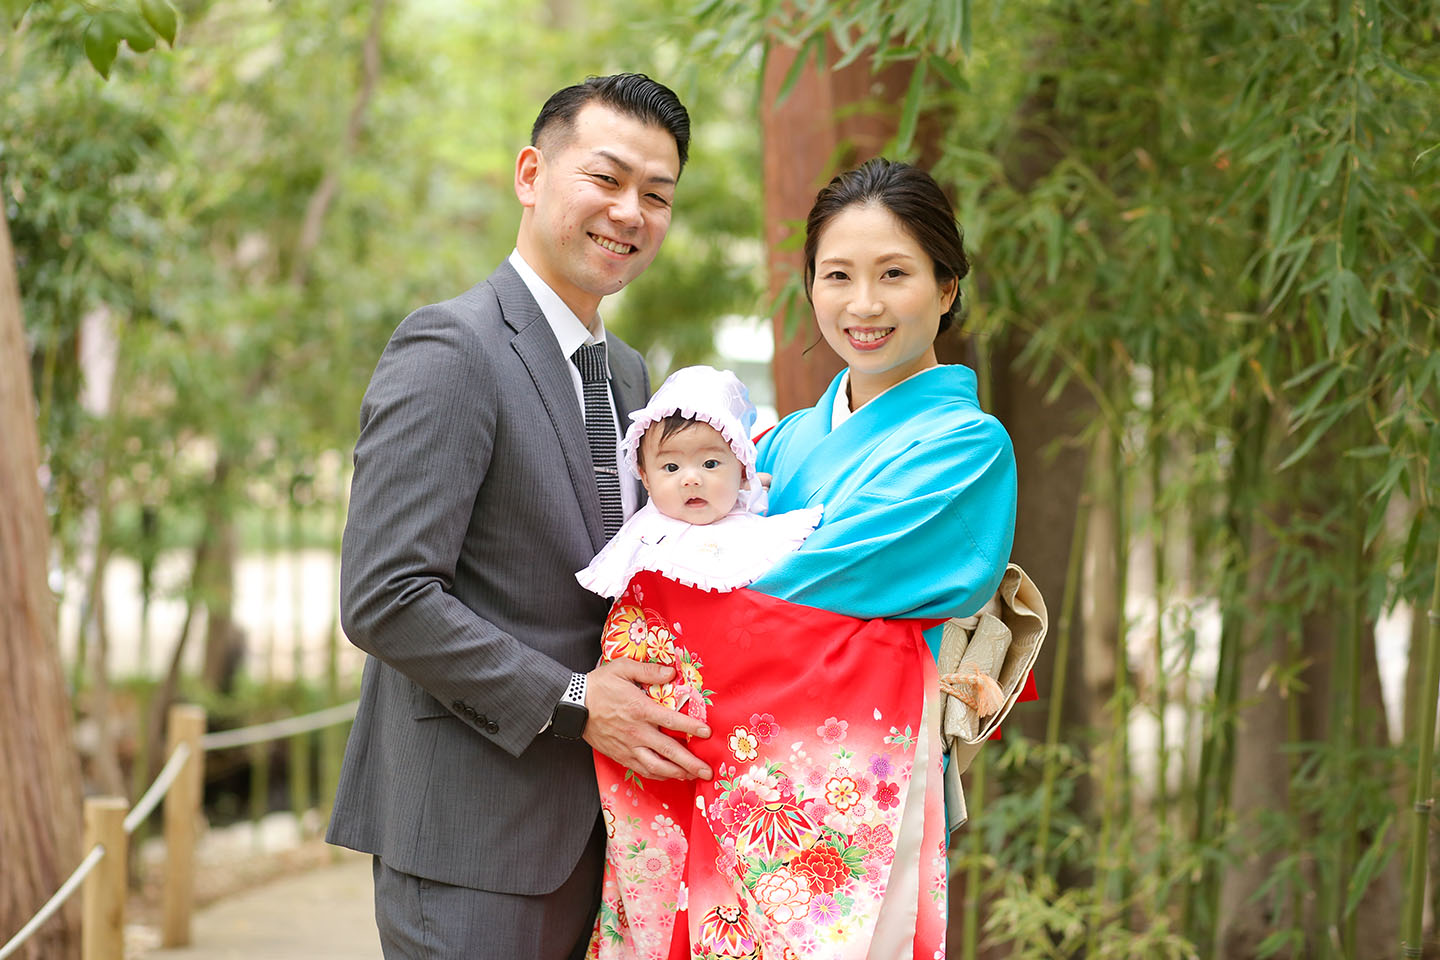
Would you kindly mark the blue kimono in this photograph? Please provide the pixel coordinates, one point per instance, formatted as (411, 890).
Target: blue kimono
(919, 494)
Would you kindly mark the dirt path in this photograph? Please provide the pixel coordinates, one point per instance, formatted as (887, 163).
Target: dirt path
(327, 912)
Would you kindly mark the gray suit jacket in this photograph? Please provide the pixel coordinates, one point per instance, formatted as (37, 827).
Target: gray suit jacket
(472, 505)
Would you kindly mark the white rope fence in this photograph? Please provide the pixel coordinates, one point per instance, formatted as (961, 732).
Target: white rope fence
(174, 767)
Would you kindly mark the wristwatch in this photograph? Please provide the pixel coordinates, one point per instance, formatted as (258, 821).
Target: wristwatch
(570, 716)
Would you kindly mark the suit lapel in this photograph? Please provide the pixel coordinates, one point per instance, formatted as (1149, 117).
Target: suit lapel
(535, 344)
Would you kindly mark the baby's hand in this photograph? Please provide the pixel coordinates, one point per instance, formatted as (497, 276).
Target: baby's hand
(764, 479)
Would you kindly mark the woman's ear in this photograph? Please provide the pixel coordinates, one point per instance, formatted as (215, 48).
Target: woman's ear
(949, 290)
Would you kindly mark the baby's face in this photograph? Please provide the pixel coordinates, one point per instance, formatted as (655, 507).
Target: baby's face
(691, 475)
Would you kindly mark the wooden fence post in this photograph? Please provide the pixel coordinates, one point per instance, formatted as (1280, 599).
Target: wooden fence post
(182, 823)
(102, 930)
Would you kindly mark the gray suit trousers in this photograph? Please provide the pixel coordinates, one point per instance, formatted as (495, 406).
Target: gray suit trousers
(426, 920)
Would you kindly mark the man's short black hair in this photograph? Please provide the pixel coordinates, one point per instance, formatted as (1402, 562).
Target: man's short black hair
(633, 94)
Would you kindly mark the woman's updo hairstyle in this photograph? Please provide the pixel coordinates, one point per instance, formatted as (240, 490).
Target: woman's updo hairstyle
(915, 199)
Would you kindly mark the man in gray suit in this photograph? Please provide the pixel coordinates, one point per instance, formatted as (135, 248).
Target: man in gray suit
(482, 483)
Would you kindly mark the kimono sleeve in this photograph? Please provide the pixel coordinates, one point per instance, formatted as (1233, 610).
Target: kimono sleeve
(928, 535)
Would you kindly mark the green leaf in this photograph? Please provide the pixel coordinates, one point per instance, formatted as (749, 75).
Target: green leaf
(101, 44)
(135, 32)
(796, 68)
(1373, 860)
(1306, 445)
(965, 33)
(949, 72)
(1334, 313)
(910, 115)
(1357, 301)
(161, 16)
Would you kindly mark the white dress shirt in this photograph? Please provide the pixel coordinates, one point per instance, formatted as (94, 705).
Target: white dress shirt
(571, 334)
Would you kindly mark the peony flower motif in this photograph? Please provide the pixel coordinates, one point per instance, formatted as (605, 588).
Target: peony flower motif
(764, 726)
(744, 745)
(881, 765)
(823, 868)
(782, 895)
(833, 730)
(841, 793)
(887, 795)
(824, 910)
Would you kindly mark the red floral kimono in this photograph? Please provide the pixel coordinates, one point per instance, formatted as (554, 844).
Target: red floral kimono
(822, 834)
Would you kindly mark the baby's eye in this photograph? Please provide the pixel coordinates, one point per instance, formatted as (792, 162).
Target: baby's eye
(711, 464)
(670, 467)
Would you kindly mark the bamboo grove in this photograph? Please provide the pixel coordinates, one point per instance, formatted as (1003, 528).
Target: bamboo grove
(1218, 222)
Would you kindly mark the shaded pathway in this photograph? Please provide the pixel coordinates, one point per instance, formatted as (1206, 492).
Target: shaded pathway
(328, 913)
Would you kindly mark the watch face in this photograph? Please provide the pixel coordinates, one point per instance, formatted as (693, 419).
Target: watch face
(570, 720)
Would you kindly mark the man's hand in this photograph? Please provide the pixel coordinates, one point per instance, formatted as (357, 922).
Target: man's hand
(629, 728)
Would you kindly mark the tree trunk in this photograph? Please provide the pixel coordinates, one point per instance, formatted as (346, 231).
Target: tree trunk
(40, 805)
(831, 121)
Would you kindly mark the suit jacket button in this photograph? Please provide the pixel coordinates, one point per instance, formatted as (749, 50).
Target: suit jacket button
(458, 705)
(492, 727)
(482, 719)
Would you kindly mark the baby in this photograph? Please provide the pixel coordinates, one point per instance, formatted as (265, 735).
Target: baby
(704, 525)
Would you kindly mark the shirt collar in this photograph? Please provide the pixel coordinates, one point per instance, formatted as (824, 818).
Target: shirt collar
(570, 333)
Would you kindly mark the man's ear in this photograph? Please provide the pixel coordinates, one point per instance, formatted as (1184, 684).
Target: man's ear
(527, 171)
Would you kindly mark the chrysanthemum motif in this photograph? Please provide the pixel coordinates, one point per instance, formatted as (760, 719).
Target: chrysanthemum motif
(624, 635)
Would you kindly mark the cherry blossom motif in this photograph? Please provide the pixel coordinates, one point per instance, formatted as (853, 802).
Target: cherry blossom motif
(764, 726)
(736, 807)
(744, 744)
(841, 793)
(675, 846)
(887, 795)
(782, 895)
(609, 816)
(833, 730)
(652, 863)
(663, 825)
(727, 861)
(762, 781)
(881, 766)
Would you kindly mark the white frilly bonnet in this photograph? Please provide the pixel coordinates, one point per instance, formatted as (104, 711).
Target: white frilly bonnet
(716, 397)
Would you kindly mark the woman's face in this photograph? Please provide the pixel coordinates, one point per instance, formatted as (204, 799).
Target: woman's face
(876, 298)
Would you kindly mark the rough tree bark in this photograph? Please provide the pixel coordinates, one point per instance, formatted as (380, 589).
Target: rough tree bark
(40, 803)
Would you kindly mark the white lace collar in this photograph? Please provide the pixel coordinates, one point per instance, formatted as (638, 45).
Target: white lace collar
(725, 555)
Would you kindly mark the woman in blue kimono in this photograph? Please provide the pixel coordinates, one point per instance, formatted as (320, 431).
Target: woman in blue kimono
(822, 834)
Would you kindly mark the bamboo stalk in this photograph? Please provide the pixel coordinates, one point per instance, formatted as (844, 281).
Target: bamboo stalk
(1411, 944)
(1057, 685)
(1350, 758)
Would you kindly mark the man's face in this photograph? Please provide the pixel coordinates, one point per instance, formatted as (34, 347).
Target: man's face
(691, 475)
(597, 203)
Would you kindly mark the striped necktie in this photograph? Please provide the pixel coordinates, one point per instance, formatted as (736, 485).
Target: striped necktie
(600, 432)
